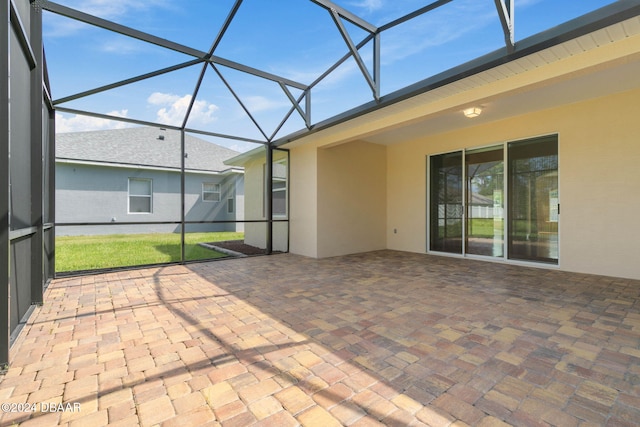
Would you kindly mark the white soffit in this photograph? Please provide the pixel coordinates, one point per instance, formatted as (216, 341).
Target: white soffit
(515, 88)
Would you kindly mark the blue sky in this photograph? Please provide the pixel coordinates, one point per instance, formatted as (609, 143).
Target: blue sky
(295, 39)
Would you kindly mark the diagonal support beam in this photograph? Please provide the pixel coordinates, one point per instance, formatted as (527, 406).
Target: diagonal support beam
(225, 26)
(354, 19)
(214, 45)
(237, 98)
(296, 104)
(120, 29)
(506, 14)
(256, 72)
(414, 14)
(139, 35)
(356, 55)
(127, 81)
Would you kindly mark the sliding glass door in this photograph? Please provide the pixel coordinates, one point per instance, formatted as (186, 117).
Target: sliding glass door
(484, 206)
(474, 195)
(446, 211)
(533, 200)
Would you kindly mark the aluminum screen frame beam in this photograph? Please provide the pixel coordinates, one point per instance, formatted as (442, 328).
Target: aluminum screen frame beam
(354, 19)
(37, 158)
(120, 29)
(203, 71)
(506, 12)
(164, 43)
(5, 251)
(608, 15)
(356, 54)
(239, 101)
(127, 81)
(21, 34)
(201, 56)
(414, 14)
(154, 124)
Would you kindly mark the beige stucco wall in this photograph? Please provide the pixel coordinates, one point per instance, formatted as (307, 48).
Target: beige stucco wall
(599, 154)
(256, 233)
(337, 192)
(336, 205)
(351, 198)
(303, 224)
(338, 199)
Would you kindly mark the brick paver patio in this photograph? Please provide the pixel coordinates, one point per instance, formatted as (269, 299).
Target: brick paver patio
(384, 338)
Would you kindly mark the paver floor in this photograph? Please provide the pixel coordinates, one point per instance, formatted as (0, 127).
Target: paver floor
(383, 338)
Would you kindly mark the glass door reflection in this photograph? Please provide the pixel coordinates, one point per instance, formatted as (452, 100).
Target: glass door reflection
(446, 195)
(485, 202)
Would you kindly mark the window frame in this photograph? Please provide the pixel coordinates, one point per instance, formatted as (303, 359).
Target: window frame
(284, 189)
(231, 204)
(219, 192)
(149, 196)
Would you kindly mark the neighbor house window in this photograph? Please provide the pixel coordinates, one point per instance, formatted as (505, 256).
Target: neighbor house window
(230, 205)
(210, 192)
(140, 195)
(279, 188)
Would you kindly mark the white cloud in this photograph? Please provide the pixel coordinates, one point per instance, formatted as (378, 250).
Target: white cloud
(526, 3)
(369, 5)
(121, 47)
(260, 103)
(174, 109)
(79, 123)
(432, 30)
(113, 10)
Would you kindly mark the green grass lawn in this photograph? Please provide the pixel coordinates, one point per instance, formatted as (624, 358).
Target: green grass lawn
(75, 253)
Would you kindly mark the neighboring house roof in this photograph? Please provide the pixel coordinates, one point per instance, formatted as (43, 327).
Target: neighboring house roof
(479, 199)
(142, 147)
(241, 160)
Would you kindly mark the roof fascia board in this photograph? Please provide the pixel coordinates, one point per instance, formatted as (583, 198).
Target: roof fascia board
(156, 125)
(608, 15)
(146, 167)
(220, 135)
(243, 158)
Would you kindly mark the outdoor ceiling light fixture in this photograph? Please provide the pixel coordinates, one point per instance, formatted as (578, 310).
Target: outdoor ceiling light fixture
(472, 112)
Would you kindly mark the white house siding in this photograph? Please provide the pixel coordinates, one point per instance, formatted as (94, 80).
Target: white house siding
(90, 193)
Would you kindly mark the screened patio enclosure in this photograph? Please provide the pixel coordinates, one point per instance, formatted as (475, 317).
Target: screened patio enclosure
(134, 91)
(215, 83)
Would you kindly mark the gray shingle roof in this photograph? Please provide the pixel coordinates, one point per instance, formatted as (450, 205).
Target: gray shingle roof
(142, 146)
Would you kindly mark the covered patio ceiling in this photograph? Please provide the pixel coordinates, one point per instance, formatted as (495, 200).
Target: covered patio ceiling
(232, 74)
